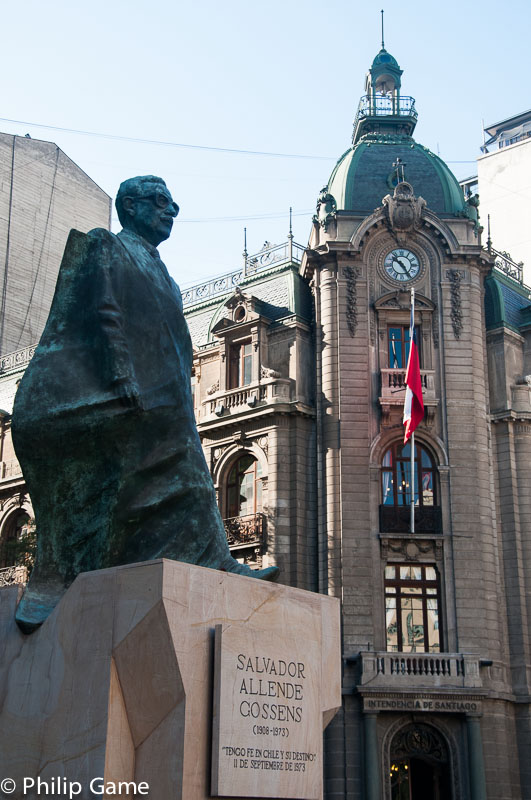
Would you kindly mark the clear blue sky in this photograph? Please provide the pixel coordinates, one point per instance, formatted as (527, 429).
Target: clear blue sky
(279, 76)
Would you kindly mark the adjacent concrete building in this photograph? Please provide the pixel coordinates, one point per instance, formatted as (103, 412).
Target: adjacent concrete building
(43, 194)
(504, 185)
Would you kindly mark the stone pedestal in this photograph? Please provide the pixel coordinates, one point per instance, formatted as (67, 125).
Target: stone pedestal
(117, 684)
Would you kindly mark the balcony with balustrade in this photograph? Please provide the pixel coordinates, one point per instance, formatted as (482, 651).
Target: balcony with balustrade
(386, 670)
(245, 531)
(10, 470)
(392, 111)
(393, 393)
(261, 397)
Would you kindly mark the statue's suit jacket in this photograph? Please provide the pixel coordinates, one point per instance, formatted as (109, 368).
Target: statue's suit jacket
(114, 482)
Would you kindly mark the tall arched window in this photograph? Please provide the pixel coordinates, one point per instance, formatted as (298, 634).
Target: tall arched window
(12, 543)
(244, 487)
(396, 476)
(397, 488)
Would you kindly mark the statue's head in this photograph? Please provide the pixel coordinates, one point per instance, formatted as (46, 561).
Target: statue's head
(145, 206)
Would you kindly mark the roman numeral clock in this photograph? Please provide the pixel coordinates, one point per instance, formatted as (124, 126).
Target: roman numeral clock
(401, 265)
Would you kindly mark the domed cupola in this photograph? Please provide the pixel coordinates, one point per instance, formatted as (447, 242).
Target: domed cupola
(383, 151)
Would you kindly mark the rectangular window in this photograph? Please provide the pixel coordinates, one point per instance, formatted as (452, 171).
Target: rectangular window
(412, 608)
(240, 364)
(398, 344)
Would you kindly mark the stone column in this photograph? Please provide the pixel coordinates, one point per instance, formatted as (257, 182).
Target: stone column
(372, 765)
(476, 766)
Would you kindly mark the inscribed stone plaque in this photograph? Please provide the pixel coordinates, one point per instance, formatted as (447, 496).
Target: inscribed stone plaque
(268, 727)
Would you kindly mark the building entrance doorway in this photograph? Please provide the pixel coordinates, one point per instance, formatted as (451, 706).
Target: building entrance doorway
(419, 765)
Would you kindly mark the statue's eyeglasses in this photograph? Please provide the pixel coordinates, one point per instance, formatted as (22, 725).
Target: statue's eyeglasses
(161, 200)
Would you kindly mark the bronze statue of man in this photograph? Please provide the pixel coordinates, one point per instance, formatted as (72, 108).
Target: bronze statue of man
(103, 423)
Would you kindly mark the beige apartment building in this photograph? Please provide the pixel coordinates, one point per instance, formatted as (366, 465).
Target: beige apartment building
(43, 194)
(298, 385)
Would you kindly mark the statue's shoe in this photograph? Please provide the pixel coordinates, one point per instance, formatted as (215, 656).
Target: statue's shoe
(266, 574)
(38, 601)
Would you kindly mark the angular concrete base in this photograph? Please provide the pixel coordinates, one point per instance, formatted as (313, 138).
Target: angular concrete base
(117, 683)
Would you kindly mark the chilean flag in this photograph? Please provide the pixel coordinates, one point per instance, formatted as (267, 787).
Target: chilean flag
(413, 404)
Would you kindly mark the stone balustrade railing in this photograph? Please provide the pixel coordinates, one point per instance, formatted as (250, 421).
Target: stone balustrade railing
(394, 385)
(17, 359)
(9, 470)
(233, 401)
(421, 670)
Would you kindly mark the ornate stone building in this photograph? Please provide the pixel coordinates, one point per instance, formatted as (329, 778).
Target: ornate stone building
(298, 385)
(299, 388)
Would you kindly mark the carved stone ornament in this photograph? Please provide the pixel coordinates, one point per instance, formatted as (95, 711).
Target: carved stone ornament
(326, 209)
(352, 274)
(214, 388)
(421, 741)
(456, 313)
(404, 210)
(410, 549)
(267, 372)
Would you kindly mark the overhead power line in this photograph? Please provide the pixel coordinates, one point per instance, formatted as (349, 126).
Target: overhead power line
(161, 143)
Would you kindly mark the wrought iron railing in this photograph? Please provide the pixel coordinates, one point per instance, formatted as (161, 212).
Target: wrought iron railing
(245, 531)
(504, 263)
(397, 519)
(384, 106)
(19, 358)
(272, 255)
(13, 575)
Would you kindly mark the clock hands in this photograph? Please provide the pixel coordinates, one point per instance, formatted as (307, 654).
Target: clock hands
(402, 266)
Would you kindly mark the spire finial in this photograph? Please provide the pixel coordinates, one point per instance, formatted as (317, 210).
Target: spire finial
(290, 237)
(383, 45)
(244, 254)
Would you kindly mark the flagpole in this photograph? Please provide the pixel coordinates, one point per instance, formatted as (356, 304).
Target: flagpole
(412, 442)
(412, 520)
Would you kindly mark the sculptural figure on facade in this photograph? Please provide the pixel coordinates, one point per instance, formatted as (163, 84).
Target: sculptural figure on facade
(103, 422)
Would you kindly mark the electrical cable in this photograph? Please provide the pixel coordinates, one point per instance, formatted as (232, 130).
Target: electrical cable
(158, 142)
(118, 138)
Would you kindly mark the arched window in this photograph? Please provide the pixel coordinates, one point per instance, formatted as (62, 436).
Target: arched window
(396, 490)
(13, 542)
(244, 487)
(396, 476)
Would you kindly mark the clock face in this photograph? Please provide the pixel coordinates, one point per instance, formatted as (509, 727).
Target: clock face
(401, 264)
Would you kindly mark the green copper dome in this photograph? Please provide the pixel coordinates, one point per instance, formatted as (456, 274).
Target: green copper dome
(365, 174)
(382, 139)
(386, 58)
